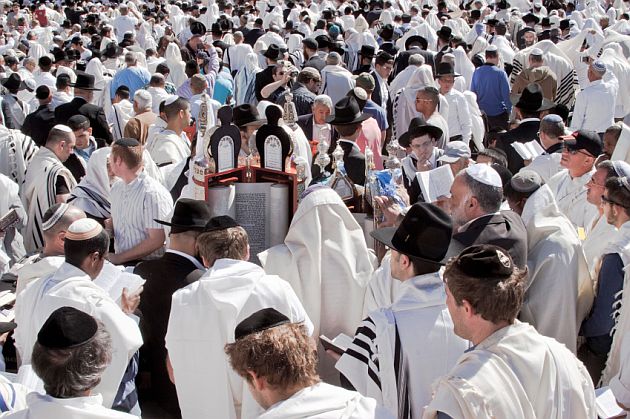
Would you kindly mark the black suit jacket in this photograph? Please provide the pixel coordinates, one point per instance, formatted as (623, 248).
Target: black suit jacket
(38, 124)
(354, 162)
(163, 277)
(252, 36)
(96, 115)
(525, 132)
(263, 78)
(402, 60)
(505, 229)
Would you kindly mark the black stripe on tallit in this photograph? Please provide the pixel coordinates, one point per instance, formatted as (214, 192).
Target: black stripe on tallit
(402, 384)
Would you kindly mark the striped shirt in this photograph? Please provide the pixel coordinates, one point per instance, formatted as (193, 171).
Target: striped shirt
(135, 207)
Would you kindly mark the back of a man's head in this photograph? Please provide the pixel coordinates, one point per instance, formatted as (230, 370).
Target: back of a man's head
(157, 80)
(228, 243)
(58, 218)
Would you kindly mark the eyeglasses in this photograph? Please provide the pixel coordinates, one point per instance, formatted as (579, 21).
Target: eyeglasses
(573, 152)
(592, 182)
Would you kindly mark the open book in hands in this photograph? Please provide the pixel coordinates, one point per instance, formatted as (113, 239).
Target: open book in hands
(338, 345)
(529, 150)
(436, 183)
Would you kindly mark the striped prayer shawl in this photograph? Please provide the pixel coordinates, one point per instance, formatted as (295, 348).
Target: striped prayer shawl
(39, 193)
(16, 151)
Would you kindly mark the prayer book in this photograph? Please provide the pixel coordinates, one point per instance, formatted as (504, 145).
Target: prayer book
(338, 345)
(9, 219)
(436, 183)
(529, 150)
(606, 404)
(113, 279)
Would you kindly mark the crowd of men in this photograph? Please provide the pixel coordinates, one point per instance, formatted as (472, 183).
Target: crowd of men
(502, 297)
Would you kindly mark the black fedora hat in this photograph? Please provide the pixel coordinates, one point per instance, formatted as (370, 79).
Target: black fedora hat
(274, 52)
(246, 115)
(532, 99)
(416, 39)
(112, 50)
(13, 82)
(387, 31)
(417, 128)
(189, 214)
(424, 233)
(347, 111)
(446, 69)
(445, 33)
(324, 41)
(367, 51)
(84, 81)
(530, 17)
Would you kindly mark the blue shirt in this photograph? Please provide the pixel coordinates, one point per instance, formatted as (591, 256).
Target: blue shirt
(597, 326)
(378, 113)
(134, 78)
(223, 87)
(492, 88)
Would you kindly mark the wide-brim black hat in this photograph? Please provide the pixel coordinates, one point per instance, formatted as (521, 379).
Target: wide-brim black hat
(532, 99)
(530, 17)
(416, 39)
(445, 33)
(347, 111)
(446, 69)
(367, 51)
(424, 233)
(246, 115)
(417, 128)
(84, 81)
(189, 214)
(13, 82)
(274, 52)
(324, 41)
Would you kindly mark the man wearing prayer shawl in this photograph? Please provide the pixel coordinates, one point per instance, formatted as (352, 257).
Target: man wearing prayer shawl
(47, 182)
(204, 315)
(16, 152)
(86, 244)
(399, 350)
(511, 371)
(283, 377)
(556, 263)
(327, 262)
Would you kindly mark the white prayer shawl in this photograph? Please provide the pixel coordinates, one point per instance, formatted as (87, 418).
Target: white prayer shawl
(42, 406)
(101, 81)
(620, 383)
(621, 246)
(36, 50)
(244, 82)
(478, 126)
(16, 152)
(597, 240)
(622, 149)
(32, 270)
(382, 290)
(118, 117)
(515, 373)
(327, 262)
(92, 193)
(402, 79)
(463, 66)
(202, 320)
(423, 29)
(546, 165)
(570, 196)
(558, 62)
(353, 42)
(558, 272)
(336, 82)
(168, 148)
(323, 401)
(404, 103)
(619, 66)
(177, 74)
(414, 345)
(39, 193)
(70, 286)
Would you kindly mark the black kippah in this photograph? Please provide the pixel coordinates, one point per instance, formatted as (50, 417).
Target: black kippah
(220, 223)
(261, 320)
(67, 328)
(485, 261)
(127, 142)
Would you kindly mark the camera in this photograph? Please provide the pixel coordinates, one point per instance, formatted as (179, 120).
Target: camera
(294, 73)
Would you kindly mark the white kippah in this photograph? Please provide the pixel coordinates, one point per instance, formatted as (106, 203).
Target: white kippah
(492, 48)
(83, 229)
(537, 52)
(484, 174)
(170, 99)
(62, 127)
(599, 66)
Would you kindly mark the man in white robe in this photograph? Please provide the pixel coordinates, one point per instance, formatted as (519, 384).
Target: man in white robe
(291, 388)
(512, 371)
(76, 334)
(327, 262)
(398, 351)
(86, 245)
(578, 157)
(47, 182)
(169, 146)
(556, 263)
(548, 163)
(204, 315)
(336, 80)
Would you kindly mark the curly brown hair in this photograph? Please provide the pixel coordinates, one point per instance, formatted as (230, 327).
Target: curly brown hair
(495, 300)
(285, 356)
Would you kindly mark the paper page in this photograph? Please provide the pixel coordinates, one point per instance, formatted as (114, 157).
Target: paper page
(436, 183)
(343, 341)
(522, 150)
(278, 207)
(253, 214)
(221, 201)
(112, 280)
(536, 148)
(606, 404)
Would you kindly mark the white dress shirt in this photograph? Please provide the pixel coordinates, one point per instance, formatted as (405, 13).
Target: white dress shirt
(595, 106)
(459, 118)
(570, 196)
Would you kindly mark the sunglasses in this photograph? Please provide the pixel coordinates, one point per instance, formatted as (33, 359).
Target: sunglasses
(573, 151)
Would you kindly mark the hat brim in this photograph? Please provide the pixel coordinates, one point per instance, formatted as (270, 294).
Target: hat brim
(188, 227)
(331, 120)
(84, 88)
(385, 236)
(257, 122)
(7, 327)
(416, 132)
(448, 74)
(544, 106)
(449, 159)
